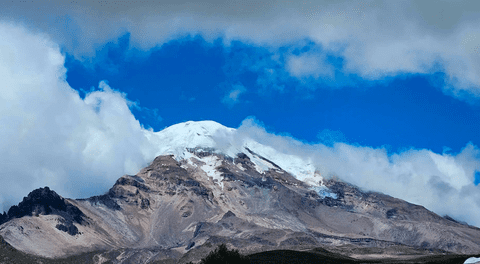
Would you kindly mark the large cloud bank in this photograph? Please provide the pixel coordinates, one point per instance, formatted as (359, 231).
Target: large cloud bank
(443, 183)
(375, 38)
(79, 147)
(50, 135)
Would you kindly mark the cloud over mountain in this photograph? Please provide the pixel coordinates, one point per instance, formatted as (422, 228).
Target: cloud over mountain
(50, 135)
(443, 183)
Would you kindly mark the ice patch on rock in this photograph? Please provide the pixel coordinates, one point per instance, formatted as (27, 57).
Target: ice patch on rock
(260, 165)
(210, 168)
(300, 168)
(323, 191)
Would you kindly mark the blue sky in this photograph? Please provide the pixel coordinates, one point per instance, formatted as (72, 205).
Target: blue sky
(383, 94)
(189, 78)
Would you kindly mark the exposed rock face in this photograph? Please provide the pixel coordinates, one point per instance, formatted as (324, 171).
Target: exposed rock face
(176, 206)
(184, 206)
(44, 201)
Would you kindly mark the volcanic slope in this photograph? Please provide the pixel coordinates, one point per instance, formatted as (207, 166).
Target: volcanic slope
(205, 188)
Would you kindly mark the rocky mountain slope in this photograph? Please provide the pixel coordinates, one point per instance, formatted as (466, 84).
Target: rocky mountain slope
(200, 192)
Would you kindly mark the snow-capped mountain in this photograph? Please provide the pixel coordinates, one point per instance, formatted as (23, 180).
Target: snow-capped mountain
(210, 184)
(216, 138)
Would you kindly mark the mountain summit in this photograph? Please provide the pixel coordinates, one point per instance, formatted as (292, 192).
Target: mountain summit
(181, 140)
(207, 187)
(177, 139)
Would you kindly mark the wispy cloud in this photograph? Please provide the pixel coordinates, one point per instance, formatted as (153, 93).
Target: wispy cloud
(184, 97)
(233, 96)
(329, 137)
(309, 65)
(151, 114)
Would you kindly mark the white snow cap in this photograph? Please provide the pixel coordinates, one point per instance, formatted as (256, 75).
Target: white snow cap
(177, 139)
(210, 135)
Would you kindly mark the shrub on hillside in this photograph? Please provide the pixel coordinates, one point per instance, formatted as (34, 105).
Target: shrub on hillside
(222, 255)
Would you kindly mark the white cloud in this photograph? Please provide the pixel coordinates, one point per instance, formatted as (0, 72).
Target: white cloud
(50, 136)
(309, 65)
(329, 137)
(375, 38)
(443, 183)
(233, 96)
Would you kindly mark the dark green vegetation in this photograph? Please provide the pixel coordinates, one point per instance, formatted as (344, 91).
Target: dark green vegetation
(222, 255)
